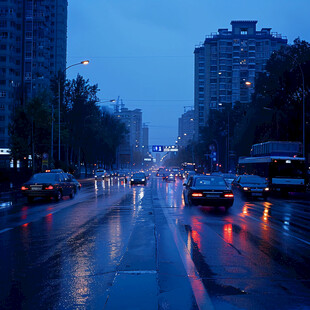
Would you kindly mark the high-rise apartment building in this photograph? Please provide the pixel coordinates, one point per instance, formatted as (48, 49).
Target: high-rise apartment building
(226, 65)
(186, 128)
(33, 41)
(145, 138)
(131, 147)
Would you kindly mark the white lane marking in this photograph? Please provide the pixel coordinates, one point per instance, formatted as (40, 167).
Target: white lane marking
(4, 230)
(201, 295)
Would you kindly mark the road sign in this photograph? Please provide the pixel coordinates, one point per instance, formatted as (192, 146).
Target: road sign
(157, 148)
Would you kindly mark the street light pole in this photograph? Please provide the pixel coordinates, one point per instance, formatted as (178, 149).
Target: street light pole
(84, 62)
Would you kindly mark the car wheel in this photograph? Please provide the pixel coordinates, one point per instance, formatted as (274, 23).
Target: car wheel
(227, 208)
(30, 199)
(58, 196)
(72, 193)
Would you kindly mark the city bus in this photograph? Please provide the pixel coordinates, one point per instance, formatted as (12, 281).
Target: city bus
(284, 173)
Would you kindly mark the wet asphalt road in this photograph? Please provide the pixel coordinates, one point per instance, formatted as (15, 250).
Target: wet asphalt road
(119, 247)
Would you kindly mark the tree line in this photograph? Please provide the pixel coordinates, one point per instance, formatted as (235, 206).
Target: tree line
(89, 134)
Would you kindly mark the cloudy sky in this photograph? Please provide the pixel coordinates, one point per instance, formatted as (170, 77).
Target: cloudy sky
(142, 50)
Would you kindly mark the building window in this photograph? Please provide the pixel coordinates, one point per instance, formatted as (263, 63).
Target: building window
(2, 95)
(244, 31)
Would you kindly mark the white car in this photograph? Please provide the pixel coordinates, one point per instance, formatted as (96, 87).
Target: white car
(100, 174)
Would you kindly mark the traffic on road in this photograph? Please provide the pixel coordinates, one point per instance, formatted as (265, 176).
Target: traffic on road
(195, 243)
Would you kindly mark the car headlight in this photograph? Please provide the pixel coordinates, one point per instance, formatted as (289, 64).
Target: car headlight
(132, 180)
(266, 188)
(245, 188)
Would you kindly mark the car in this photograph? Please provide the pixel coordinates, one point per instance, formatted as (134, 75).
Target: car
(160, 172)
(208, 190)
(100, 174)
(48, 185)
(138, 178)
(251, 186)
(77, 185)
(169, 177)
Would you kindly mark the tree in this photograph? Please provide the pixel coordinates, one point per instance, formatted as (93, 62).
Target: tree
(93, 134)
(275, 112)
(30, 129)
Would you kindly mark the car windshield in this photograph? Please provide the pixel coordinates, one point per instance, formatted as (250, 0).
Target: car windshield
(209, 181)
(254, 179)
(44, 177)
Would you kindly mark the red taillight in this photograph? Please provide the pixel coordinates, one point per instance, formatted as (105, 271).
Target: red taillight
(24, 188)
(50, 187)
(197, 195)
(228, 195)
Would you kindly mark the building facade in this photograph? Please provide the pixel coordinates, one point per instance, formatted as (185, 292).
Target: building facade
(145, 139)
(186, 128)
(226, 65)
(33, 47)
(130, 151)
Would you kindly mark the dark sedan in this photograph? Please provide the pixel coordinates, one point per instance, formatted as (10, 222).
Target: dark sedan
(252, 186)
(48, 185)
(77, 185)
(138, 178)
(208, 191)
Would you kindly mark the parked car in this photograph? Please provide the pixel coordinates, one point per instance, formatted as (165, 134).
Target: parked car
(251, 186)
(138, 178)
(77, 185)
(208, 191)
(49, 185)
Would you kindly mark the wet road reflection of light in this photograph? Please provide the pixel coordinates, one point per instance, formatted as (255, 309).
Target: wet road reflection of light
(286, 223)
(228, 233)
(96, 187)
(49, 221)
(266, 215)
(6, 205)
(115, 234)
(25, 236)
(134, 198)
(24, 212)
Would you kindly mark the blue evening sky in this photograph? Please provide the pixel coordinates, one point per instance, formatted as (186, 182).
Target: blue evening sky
(142, 50)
